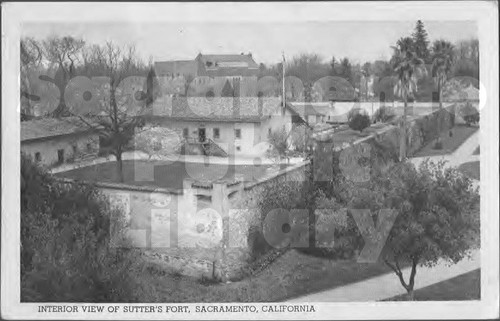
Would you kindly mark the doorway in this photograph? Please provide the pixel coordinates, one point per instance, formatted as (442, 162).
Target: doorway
(60, 156)
(202, 135)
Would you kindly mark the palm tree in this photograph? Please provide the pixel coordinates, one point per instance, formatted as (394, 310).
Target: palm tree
(442, 60)
(408, 69)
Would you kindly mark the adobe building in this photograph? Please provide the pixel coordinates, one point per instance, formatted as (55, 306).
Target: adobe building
(52, 141)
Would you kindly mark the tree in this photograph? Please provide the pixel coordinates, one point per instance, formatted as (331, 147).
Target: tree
(227, 90)
(302, 138)
(408, 68)
(31, 57)
(437, 215)
(420, 39)
(466, 59)
(309, 68)
(71, 244)
(63, 52)
(345, 70)
(152, 86)
(120, 112)
(359, 122)
(384, 114)
(470, 114)
(333, 66)
(280, 142)
(442, 61)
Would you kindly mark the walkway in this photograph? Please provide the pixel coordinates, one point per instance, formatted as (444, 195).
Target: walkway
(462, 154)
(387, 286)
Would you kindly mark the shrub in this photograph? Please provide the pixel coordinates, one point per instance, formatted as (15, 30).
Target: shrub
(384, 114)
(359, 122)
(470, 114)
(438, 145)
(67, 254)
(353, 112)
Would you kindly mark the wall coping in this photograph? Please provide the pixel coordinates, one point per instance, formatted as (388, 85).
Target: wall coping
(264, 179)
(122, 186)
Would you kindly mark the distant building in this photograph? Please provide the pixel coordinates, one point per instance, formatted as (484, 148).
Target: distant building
(312, 113)
(208, 73)
(51, 141)
(239, 126)
(334, 89)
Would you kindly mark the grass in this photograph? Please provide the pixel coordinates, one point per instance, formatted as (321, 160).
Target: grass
(166, 174)
(463, 287)
(460, 134)
(470, 169)
(291, 275)
(349, 135)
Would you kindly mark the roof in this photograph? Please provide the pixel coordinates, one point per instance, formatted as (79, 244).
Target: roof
(228, 61)
(217, 109)
(305, 109)
(227, 65)
(44, 128)
(336, 89)
(172, 68)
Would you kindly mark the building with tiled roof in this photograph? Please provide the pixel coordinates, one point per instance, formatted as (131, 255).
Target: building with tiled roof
(51, 141)
(312, 113)
(241, 65)
(237, 125)
(335, 89)
(208, 73)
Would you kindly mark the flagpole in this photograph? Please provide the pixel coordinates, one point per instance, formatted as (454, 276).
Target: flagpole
(283, 80)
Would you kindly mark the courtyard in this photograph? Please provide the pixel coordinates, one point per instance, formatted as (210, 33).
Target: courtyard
(169, 174)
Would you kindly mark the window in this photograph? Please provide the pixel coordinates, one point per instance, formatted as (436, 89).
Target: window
(185, 132)
(60, 156)
(89, 147)
(216, 133)
(269, 131)
(75, 149)
(238, 148)
(38, 157)
(237, 133)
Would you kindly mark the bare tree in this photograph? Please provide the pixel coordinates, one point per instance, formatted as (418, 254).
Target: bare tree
(31, 58)
(121, 109)
(64, 53)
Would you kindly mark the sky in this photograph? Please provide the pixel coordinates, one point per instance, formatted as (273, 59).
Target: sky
(360, 41)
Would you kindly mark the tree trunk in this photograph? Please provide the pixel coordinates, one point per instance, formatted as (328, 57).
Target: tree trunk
(411, 281)
(402, 144)
(438, 140)
(411, 295)
(119, 166)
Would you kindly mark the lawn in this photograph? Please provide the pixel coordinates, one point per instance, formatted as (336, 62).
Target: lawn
(460, 134)
(470, 169)
(348, 135)
(166, 174)
(463, 287)
(291, 275)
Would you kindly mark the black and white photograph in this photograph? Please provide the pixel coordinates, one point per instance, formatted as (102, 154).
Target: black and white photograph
(250, 160)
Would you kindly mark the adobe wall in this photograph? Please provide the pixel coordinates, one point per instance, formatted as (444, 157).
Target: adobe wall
(203, 230)
(48, 148)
